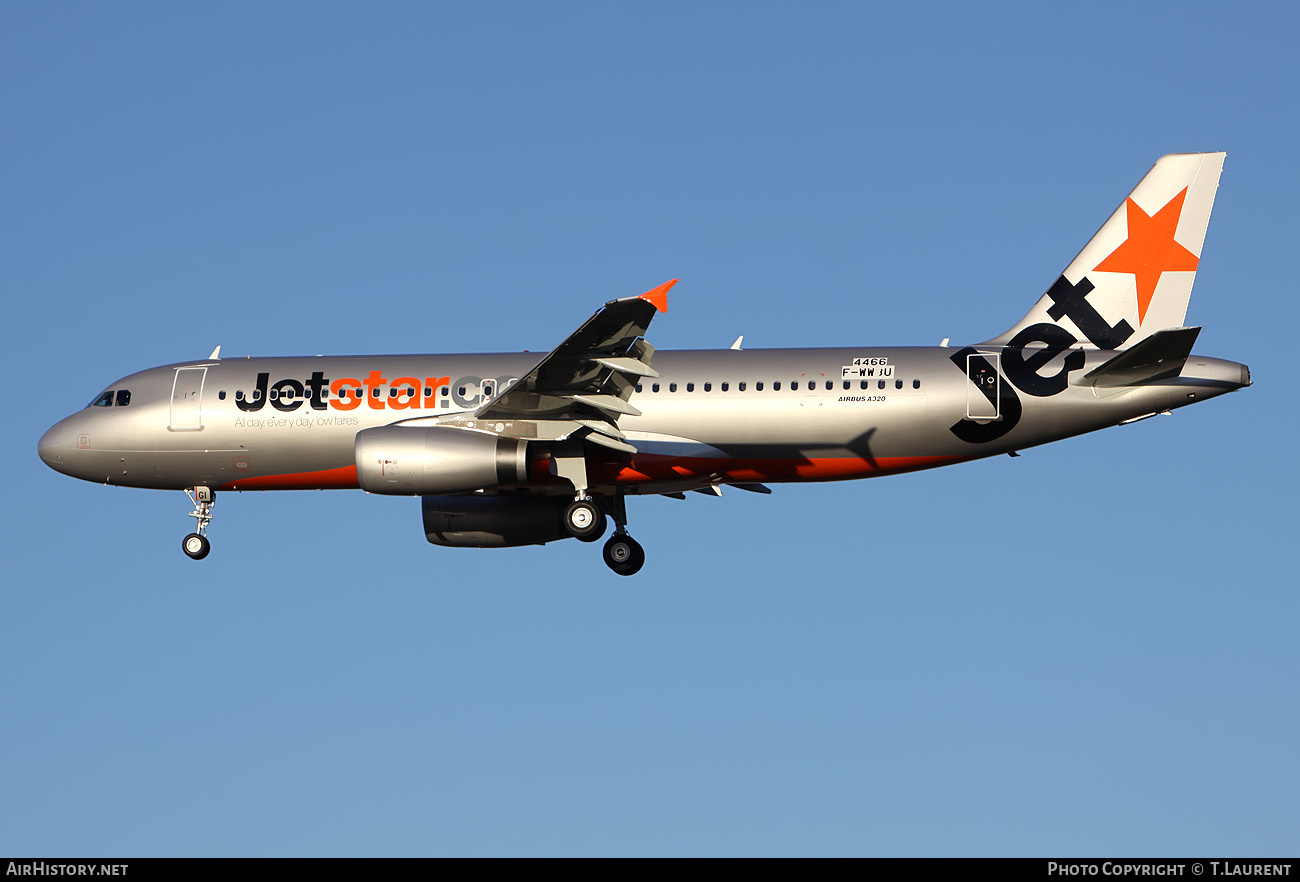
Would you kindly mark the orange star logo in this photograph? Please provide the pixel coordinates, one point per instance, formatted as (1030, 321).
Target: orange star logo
(1150, 249)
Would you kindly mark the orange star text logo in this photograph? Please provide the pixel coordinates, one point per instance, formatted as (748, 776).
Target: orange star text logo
(1150, 249)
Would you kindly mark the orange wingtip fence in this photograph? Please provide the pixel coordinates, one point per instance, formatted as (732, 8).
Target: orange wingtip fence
(659, 296)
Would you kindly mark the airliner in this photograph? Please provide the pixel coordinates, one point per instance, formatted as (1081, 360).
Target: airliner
(506, 449)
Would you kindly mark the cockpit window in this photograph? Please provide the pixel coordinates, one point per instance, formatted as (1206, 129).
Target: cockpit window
(106, 399)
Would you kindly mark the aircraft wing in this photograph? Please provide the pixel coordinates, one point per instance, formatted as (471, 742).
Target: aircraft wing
(589, 378)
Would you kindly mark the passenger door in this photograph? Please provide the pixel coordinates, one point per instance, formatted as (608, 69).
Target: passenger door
(187, 400)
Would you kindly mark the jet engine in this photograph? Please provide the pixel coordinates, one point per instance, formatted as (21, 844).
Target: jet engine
(493, 521)
(410, 461)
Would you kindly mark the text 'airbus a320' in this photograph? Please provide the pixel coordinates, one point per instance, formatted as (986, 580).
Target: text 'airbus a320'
(505, 450)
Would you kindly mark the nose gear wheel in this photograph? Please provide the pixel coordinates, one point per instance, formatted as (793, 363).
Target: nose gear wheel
(196, 545)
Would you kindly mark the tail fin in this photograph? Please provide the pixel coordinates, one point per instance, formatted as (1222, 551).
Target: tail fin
(1134, 277)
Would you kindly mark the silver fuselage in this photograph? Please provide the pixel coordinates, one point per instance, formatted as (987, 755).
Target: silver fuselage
(712, 417)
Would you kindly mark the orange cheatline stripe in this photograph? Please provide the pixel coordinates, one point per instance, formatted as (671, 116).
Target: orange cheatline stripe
(645, 470)
(344, 478)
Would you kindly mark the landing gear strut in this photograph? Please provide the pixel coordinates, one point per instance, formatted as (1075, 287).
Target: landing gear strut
(196, 544)
(623, 554)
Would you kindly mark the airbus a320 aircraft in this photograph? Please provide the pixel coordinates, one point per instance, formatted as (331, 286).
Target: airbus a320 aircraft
(507, 450)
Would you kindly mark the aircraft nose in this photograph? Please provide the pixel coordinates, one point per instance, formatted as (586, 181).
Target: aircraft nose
(54, 446)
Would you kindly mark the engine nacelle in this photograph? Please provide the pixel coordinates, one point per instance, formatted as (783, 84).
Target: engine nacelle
(409, 461)
(493, 521)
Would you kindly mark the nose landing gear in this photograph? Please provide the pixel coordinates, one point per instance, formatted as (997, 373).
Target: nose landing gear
(196, 545)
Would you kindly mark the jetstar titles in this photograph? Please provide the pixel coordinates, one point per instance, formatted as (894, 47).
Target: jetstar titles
(377, 391)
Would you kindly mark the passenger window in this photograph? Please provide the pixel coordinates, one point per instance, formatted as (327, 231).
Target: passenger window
(105, 400)
(865, 384)
(672, 387)
(708, 387)
(428, 393)
(487, 391)
(124, 397)
(724, 387)
(239, 394)
(275, 395)
(776, 387)
(916, 384)
(690, 387)
(654, 388)
(898, 384)
(881, 384)
(741, 386)
(847, 384)
(221, 395)
(638, 387)
(794, 387)
(758, 387)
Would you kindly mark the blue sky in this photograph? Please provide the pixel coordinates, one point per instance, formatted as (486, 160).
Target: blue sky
(1085, 650)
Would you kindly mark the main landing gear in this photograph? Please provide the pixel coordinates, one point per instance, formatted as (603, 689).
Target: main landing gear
(196, 545)
(586, 520)
(623, 554)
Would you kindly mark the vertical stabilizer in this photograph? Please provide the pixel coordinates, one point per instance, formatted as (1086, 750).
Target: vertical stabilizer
(1134, 277)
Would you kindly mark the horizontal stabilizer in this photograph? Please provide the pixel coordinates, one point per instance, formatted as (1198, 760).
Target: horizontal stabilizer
(1157, 357)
